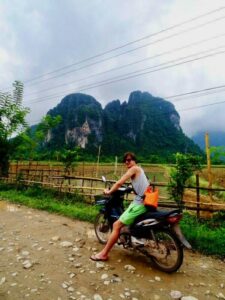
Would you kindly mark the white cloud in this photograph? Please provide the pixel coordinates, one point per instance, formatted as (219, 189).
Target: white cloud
(39, 37)
(4, 57)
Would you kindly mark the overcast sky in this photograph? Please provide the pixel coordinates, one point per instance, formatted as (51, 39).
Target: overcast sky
(164, 47)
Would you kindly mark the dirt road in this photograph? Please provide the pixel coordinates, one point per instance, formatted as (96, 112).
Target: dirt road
(46, 256)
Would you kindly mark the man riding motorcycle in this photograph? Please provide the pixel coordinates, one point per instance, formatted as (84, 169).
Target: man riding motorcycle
(140, 183)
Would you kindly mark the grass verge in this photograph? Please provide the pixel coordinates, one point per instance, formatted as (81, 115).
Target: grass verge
(48, 200)
(206, 236)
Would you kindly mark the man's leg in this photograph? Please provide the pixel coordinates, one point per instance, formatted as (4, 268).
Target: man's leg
(103, 255)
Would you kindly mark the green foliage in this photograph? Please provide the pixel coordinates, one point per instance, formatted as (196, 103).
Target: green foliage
(12, 113)
(43, 128)
(31, 142)
(206, 236)
(217, 154)
(69, 158)
(186, 165)
(12, 120)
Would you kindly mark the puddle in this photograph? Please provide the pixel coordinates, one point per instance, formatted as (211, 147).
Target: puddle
(4, 206)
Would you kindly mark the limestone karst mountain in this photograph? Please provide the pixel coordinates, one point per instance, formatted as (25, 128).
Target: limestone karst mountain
(144, 124)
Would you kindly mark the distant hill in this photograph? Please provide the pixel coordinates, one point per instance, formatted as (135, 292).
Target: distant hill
(145, 124)
(216, 138)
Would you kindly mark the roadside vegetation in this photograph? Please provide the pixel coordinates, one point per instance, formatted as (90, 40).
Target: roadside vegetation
(206, 236)
(72, 206)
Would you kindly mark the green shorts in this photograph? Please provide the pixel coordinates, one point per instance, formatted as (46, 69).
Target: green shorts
(133, 211)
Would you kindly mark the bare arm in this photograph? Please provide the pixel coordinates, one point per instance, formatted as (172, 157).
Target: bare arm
(131, 172)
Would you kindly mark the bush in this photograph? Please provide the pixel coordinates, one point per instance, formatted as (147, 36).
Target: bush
(206, 236)
(185, 166)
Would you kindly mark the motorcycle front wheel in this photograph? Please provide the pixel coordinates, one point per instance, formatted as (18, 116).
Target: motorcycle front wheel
(102, 228)
(165, 251)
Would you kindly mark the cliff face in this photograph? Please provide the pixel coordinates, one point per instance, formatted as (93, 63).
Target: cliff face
(78, 135)
(144, 124)
(81, 121)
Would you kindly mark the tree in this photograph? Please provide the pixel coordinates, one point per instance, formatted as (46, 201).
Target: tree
(69, 158)
(217, 154)
(33, 140)
(12, 121)
(186, 165)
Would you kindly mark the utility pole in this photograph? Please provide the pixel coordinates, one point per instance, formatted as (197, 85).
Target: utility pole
(207, 148)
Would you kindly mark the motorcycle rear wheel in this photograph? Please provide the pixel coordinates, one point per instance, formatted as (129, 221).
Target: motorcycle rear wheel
(102, 228)
(166, 252)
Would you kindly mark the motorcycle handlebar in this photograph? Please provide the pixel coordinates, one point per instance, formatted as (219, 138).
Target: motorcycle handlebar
(123, 188)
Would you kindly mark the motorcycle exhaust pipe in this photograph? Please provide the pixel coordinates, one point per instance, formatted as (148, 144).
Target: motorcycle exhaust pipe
(179, 234)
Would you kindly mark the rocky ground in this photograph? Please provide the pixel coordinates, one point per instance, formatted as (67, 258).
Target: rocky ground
(46, 256)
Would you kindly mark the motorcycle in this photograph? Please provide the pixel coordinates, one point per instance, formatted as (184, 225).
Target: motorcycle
(156, 233)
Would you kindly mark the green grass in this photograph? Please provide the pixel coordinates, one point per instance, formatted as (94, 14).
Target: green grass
(46, 200)
(206, 236)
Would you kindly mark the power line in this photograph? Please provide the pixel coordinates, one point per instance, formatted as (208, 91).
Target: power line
(128, 76)
(133, 63)
(137, 40)
(204, 105)
(128, 51)
(133, 42)
(196, 91)
(140, 39)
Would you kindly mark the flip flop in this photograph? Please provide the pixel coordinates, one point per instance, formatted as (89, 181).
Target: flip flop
(95, 258)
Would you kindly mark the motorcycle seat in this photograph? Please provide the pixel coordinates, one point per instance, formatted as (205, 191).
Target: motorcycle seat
(158, 214)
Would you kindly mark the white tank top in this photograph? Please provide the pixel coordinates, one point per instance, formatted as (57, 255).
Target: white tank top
(139, 184)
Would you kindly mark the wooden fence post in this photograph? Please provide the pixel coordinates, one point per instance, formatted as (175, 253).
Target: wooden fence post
(17, 166)
(69, 181)
(197, 196)
(116, 163)
(42, 176)
(97, 166)
(207, 146)
(28, 171)
(91, 190)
